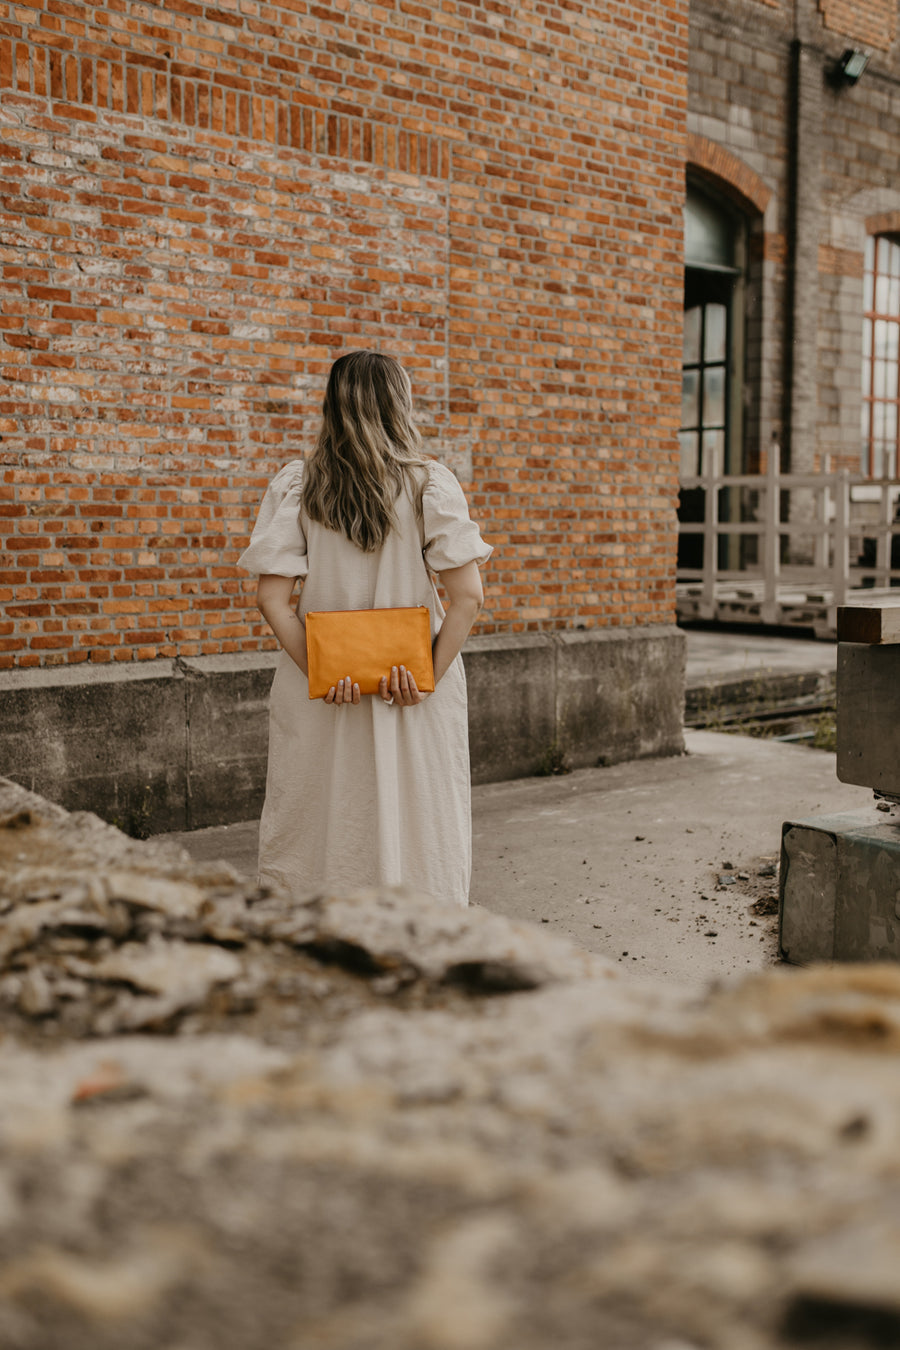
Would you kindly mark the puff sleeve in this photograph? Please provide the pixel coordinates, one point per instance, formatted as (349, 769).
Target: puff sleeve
(278, 545)
(452, 539)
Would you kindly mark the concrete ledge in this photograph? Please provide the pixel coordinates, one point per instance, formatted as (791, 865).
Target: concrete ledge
(176, 745)
(839, 896)
(160, 745)
(713, 702)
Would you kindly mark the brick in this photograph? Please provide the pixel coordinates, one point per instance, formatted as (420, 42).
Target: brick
(245, 214)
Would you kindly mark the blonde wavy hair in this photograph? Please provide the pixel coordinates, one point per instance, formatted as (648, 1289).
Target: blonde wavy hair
(367, 452)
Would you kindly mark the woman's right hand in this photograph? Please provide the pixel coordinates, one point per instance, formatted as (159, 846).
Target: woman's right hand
(402, 688)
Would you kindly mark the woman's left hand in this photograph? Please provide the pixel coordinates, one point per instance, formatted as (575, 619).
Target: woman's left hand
(402, 688)
(345, 691)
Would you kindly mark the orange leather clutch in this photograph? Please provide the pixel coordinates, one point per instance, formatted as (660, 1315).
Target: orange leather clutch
(364, 644)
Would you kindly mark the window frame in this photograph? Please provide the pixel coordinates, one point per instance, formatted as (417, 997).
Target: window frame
(880, 451)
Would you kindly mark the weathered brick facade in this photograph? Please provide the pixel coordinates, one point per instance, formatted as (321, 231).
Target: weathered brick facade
(812, 164)
(202, 206)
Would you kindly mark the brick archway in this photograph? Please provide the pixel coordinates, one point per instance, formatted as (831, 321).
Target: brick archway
(730, 174)
(886, 222)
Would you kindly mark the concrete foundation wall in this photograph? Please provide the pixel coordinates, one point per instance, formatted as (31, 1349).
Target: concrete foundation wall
(182, 744)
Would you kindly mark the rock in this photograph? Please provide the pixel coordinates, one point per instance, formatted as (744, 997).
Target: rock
(180, 974)
(179, 970)
(35, 998)
(392, 930)
(176, 899)
(128, 1285)
(372, 1124)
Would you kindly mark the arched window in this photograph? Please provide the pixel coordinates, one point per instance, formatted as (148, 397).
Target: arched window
(711, 259)
(710, 434)
(881, 357)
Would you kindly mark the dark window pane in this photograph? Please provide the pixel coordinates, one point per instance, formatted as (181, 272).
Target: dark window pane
(716, 331)
(690, 457)
(714, 396)
(708, 232)
(690, 398)
(713, 451)
(692, 325)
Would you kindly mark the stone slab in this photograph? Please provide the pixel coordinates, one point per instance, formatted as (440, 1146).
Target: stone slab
(840, 889)
(868, 716)
(869, 623)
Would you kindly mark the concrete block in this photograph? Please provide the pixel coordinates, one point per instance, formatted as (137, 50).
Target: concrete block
(228, 736)
(868, 715)
(840, 889)
(512, 704)
(620, 694)
(592, 697)
(111, 741)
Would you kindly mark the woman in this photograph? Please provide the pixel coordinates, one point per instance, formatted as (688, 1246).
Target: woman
(367, 790)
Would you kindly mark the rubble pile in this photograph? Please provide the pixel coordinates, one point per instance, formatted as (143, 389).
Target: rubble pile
(101, 934)
(369, 1123)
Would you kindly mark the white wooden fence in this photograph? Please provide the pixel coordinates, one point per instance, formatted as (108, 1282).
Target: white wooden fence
(823, 540)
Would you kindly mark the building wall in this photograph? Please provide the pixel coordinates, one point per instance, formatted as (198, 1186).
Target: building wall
(760, 90)
(201, 207)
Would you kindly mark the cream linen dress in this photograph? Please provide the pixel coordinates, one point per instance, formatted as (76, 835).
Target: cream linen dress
(370, 794)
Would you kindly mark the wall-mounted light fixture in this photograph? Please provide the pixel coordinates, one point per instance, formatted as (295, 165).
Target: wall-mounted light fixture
(850, 67)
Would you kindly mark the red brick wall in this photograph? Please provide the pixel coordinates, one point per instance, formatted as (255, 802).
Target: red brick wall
(200, 208)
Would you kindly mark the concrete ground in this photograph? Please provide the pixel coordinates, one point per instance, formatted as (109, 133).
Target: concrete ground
(626, 860)
(631, 861)
(719, 654)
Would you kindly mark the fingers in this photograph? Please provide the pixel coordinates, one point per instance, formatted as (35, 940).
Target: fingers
(345, 691)
(403, 687)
